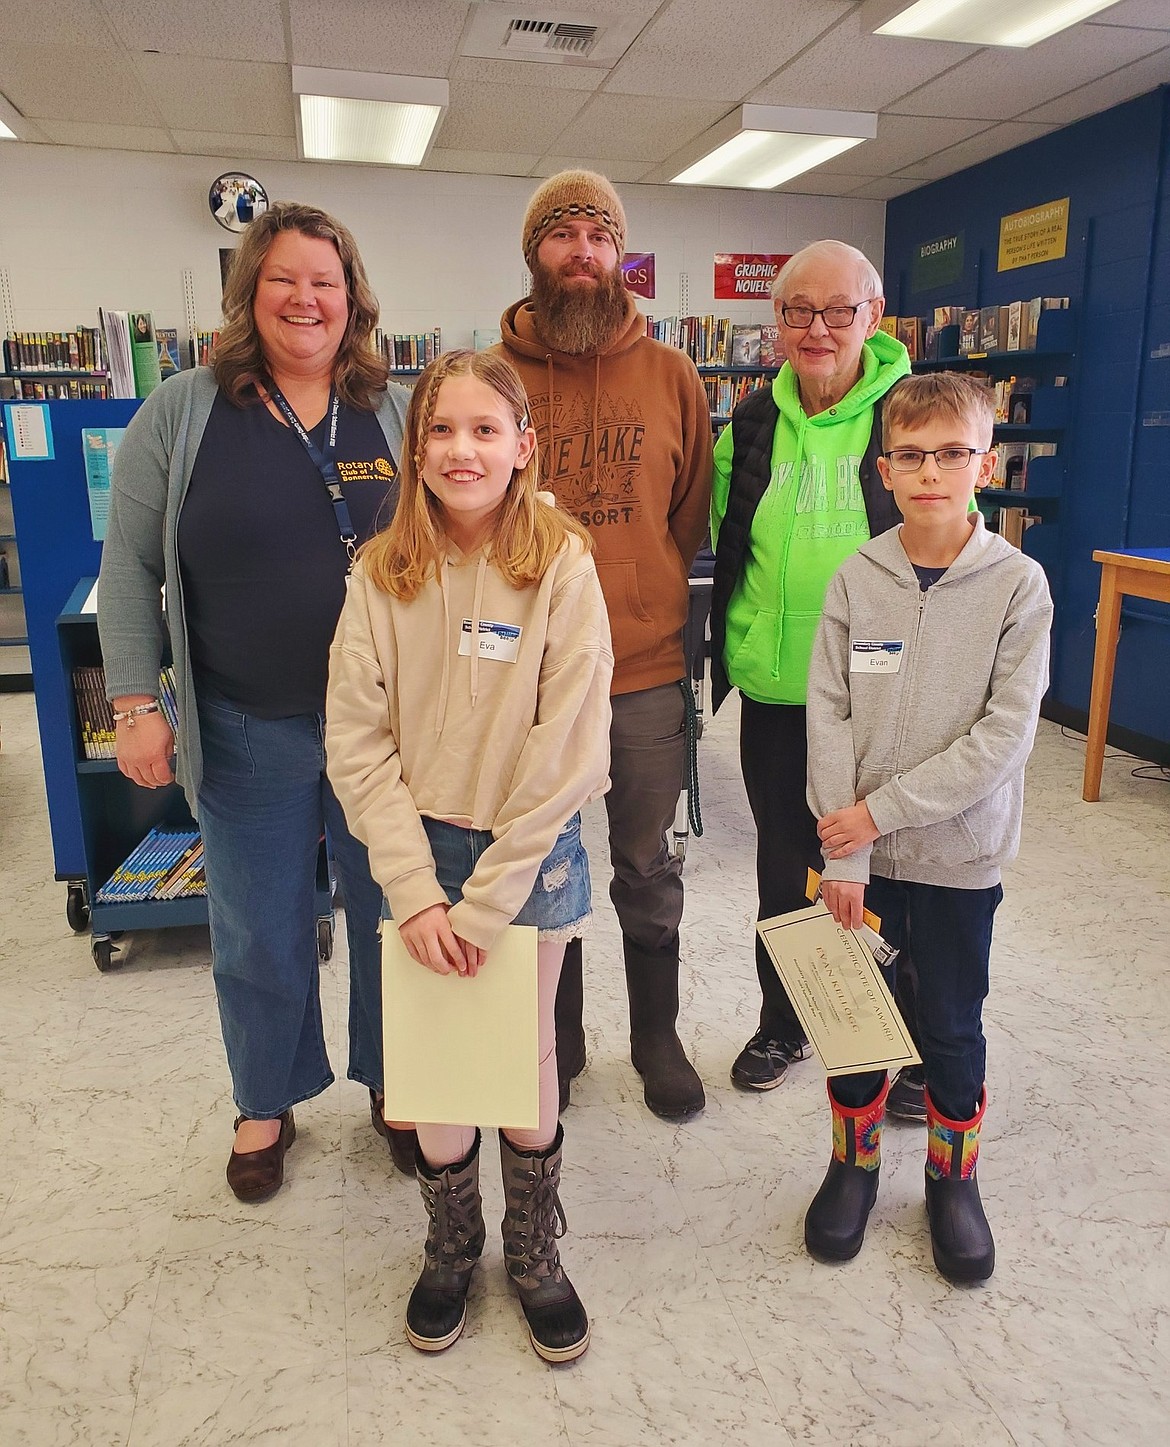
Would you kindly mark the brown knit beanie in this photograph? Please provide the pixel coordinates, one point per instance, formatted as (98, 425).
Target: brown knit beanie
(567, 195)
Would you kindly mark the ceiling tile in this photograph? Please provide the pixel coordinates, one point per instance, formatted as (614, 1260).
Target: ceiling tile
(885, 189)
(1152, 14)
(74, 83)
(637, 128)
(992, 142)
(391, 37)
(506, 117)
(481, 163)
(900, 141)
(113, 138)
(527, 73)
(722, 50)
(852, 69)
(58, 22)
(819, 183)
(229, 148)
(619, 172)
(1110, 90)
(240, 95)
(999, 83)
(215, 29)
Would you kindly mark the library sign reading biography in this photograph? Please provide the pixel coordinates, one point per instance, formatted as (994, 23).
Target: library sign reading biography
(745, 276)
(638, 273)
(1038, 234)
(937, 263)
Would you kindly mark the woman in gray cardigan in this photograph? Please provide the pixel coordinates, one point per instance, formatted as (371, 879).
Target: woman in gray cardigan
(242, 491)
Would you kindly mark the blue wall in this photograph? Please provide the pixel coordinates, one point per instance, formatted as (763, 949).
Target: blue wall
(1115, 168)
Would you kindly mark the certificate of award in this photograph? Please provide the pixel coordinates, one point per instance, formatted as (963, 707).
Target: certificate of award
(462, 1051)
(838, 992)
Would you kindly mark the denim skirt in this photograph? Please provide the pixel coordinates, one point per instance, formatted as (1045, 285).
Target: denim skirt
(560, 905)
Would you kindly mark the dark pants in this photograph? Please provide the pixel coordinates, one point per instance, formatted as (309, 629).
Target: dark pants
(949, 932)
(647, 759)
(773, 755)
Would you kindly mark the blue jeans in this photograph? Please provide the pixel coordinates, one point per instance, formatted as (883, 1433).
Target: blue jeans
(264, 804)
(948, 932)
(561, 900)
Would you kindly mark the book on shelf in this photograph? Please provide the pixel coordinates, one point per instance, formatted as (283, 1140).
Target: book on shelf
(133, 352)
(771, 347)
(66, 390)
(989, 329)
(95, 713)
(76, 351)
(200, 348)
(948, 316)
(408, 351)
(167, 864)
(724, 394)
(910, 334)
(168, 351)
(744, 346)
(1011, 460)
(889, 325)
(969, 331)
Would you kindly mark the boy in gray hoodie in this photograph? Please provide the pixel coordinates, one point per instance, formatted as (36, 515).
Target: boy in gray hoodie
(927, 674)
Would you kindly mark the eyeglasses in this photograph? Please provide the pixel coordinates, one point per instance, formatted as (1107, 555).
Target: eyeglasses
(835, 316)
(948, 459)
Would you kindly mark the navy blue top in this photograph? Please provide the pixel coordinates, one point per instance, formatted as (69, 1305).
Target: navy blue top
(262, 563)
(927, 576)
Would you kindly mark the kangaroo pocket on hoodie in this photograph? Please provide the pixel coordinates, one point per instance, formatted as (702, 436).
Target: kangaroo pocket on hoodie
(635, 632)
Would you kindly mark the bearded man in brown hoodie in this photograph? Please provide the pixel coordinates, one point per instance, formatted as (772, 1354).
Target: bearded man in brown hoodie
(625, 444)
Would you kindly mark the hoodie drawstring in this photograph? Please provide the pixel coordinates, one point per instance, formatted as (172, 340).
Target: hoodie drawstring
(445, 682)
(480, 578)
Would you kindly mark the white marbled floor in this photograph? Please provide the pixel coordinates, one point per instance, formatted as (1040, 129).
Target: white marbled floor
(141, 1304)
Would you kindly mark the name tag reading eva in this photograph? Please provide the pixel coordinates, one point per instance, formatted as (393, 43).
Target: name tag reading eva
(867, 655)
(496, 640)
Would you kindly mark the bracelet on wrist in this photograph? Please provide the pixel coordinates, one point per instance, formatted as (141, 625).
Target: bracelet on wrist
(130, 715)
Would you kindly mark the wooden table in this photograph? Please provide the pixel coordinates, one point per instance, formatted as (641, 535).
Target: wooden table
(1140, 573)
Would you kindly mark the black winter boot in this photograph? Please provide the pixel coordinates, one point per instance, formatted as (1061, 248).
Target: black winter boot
(959, 1234)
(568, 1011)
(437, 1308)
(834, 1225)
(671, 1084)
(533, 1223)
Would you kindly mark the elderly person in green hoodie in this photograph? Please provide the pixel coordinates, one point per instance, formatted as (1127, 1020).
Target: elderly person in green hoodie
(796, 491)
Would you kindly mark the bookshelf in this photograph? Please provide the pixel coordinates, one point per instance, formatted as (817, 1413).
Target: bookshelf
(1031, 453)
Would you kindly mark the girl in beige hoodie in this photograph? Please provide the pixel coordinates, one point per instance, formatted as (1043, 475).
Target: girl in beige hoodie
(467, 722)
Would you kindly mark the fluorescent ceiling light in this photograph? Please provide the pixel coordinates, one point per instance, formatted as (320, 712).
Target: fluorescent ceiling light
(760, 147)
(988, 22)
(5, 133)
(387, 120)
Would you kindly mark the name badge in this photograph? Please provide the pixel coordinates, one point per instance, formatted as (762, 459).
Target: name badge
(496, 640)
(867, 655)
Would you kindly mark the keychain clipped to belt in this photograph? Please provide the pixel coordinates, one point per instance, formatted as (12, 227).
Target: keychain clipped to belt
(322, 460)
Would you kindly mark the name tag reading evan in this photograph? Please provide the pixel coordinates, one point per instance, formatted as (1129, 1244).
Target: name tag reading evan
(496, 640)
(868, 655)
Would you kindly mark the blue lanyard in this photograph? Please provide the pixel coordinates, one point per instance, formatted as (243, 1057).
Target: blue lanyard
(322, 460)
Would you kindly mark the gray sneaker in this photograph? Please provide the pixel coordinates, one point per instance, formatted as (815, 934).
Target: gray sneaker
(907, 1097)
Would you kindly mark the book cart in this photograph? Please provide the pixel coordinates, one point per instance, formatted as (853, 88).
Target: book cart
(96, 815)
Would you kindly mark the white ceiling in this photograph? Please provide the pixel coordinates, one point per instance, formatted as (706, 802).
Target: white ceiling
(212, 77)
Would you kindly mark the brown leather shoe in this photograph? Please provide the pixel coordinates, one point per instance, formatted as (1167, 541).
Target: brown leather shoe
(256, 1175)
(402, 1143)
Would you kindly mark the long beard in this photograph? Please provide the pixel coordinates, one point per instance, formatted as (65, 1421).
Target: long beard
(581, 321)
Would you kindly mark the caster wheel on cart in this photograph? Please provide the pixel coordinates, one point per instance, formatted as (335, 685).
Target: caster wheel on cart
(103, 954)
(77, 908)
(325, 939)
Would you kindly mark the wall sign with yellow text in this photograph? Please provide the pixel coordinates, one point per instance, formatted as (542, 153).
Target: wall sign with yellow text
(1038, 234)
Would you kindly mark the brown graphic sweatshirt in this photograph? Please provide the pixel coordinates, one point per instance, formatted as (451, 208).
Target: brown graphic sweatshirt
(625, 444)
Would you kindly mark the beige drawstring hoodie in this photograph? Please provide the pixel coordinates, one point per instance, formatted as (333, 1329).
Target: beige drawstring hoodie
(511, 737)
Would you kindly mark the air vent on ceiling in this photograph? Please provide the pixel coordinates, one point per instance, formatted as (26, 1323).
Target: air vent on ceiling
(528, 36)
(496, 32)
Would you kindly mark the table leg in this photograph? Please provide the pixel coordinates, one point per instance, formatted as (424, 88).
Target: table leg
(1104, 658)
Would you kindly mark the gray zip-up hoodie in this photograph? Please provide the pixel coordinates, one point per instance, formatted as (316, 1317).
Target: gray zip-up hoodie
(937, 744)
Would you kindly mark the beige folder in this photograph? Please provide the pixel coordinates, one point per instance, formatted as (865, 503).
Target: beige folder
(462, 1051)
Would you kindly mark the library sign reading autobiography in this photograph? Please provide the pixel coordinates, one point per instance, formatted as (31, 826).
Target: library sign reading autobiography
(1038, 234)
(638, 272)
(745, 276)
(937, 263)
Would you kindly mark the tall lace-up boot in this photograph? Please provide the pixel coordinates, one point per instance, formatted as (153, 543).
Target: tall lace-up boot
(834, 1225)
(437, 1310)
(533, 1223)
(959, 1234)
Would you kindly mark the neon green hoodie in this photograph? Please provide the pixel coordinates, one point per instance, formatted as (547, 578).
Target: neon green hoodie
(811, 518)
